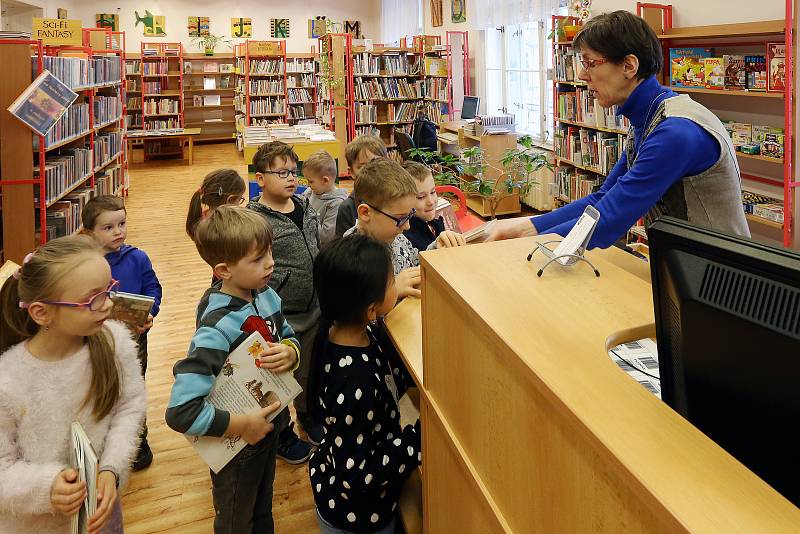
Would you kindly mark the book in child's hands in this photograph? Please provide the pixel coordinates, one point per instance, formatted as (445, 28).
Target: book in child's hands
(756, 67)
(43, 103)
(8, 269)
(84, 459)
(686, 66)
(240, 388)
(479, 234)
(776, 67)
(132, 309)
(715, 75)
(735, 72)
(445, 210)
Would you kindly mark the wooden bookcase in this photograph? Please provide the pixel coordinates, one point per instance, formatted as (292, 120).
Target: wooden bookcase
(261, 93)
(217, 120)
(301, 80)
(162, 95)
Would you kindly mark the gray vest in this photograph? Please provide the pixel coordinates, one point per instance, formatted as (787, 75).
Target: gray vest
(712, 198)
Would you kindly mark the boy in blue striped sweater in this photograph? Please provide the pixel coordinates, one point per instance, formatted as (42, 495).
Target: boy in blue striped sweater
(237, 244)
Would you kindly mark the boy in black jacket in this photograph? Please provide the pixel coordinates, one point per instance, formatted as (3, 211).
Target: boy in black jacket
(294, 224)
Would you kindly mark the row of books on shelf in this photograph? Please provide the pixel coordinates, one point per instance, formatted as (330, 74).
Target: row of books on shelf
(565, 64)
(701, 67)
(206, 100)
(406, 111)
(133, 122)
(434, 111)
(159, 106)
(64, 217)
(300, 65)
(385, 88)
(573, 184)
(209, 66)
(77, 72)
(261, 66)
(298, 112)
(263, 121)
(754, 139)
(304, 80)
(109, 181)
(210, 82)
(154, 88)
(106, 146)
(161, 124)
(74, 121)
(589, 148)
(299, 96)
(762, 206)
(368, 130)
(133, 66)
(260, 87)
(366, 112)
(263, 106)
(133, 84)
(581, 105)
(366, 63)
(152, 68)
(134, 102)
(169, 51)
(65, 170)
(435, 88)
(435, 66)
(106, 108)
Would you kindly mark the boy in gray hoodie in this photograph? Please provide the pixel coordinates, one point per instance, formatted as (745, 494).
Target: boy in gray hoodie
(294, 225)
(320, 171)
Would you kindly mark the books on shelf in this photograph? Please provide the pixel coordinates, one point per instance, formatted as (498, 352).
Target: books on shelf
(299, 65)
(209, 66)
(212, 100)
(226, 68)
(84, 460)
(163, 124)
(160, 106)
(74, 122)
(266, 66)
(65, 170)
(748, 138)
(153, 69)
(580, 105)
(303, 80)
(776, 65)
(72, 71)
(133, 66)
(595, 150)
(300, 96)
(573, 184)
(366, 63)
(187, 67)
(106, 147)
(756, 68)
(435, 66)
(714, 73)
(399, 65)
(106, 70)
(565, 64)
(132, 309)
(686, 66)
(735, 72)
(365, 113)
(261, 87)
(243, 387)
(265, 106)
(109, 181)
(43, 103)
(151, 88)
(209, 82)
(106, 109)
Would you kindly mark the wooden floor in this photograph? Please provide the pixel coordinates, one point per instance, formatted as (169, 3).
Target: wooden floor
(174, 493)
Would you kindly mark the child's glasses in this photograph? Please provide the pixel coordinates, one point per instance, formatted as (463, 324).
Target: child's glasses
(283, 174)
(95, 302)
(399, 221)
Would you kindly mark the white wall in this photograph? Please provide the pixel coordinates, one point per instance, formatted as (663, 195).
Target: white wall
(220, 13)
(705, 12)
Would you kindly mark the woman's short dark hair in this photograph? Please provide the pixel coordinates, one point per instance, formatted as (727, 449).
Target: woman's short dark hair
(618, 34)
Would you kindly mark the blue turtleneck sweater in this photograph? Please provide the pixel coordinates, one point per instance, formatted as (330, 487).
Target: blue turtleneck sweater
(676, 148)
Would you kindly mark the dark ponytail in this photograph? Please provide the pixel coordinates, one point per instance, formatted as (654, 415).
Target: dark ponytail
(217, 189)
(350, 275)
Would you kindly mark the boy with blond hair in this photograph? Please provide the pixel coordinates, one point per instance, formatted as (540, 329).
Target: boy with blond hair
(358, 153)
(323, 195)
(387, 196)
(237, 244)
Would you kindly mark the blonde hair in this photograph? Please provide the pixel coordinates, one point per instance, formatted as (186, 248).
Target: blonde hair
(370, 143)
(321, 163)
(382, 181)
(228, 235)
(40, 279)
(418, 171)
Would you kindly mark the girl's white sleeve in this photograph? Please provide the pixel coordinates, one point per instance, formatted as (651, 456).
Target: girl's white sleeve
(122, 438)
(24, 487)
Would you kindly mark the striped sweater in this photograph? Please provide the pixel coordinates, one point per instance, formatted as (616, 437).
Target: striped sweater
(223, 323)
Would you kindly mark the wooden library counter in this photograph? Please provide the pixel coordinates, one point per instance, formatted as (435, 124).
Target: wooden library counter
(528, 426)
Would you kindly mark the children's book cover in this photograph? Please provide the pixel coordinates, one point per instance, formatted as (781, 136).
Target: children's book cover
(43, 103)
(715, 75)
(686, 66)
(132, 309)
(735, 72)
(776, 65)
(756, 68)
(772, 145)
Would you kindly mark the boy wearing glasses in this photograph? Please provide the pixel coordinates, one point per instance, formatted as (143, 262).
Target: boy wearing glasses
(386, 197)
(294, 225)
(104, 219)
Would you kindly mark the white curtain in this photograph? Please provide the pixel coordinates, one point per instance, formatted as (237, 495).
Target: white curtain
(400, 18)
(494, 13)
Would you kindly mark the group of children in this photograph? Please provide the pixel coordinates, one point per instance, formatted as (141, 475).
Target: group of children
(316, 272)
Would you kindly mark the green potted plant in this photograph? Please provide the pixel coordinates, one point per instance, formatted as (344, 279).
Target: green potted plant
(208, 43)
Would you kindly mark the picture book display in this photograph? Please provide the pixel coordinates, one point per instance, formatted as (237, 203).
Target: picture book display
(132, 309)
(714, 73)
(240, 388)
(84, 459)
(735, 72)
(42, 104)
(776, 67)
(756, 68)
(686, 66)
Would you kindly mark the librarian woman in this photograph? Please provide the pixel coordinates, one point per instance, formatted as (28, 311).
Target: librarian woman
(679, 161)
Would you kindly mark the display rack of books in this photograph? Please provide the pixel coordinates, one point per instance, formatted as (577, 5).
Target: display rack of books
(335, 95)
(301, 85)
(162, 95)
(209, 84)
(743, 73)
(80, 150)
(261, 84)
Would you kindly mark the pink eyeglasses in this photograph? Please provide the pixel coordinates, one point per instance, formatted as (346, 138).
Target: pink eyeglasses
(95, 302)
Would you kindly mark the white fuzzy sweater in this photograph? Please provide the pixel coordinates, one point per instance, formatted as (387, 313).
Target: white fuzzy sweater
(38, 402)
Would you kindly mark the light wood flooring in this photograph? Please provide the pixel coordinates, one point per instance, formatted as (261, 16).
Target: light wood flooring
(174, 494)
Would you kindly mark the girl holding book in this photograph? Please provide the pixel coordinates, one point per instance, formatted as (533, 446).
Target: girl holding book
(223, 186)
(355, 382)
(62, 362)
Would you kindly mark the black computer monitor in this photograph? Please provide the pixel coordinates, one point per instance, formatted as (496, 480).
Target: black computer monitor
(727, 315)
(470, 107)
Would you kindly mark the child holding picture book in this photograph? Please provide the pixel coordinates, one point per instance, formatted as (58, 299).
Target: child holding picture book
(63, 362)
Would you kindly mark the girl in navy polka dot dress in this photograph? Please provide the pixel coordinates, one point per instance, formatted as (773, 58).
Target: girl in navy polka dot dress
(354, 386)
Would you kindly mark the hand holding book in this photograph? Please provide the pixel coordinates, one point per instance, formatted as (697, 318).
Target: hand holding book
(67, 492)
(106, 496)
(253, 427)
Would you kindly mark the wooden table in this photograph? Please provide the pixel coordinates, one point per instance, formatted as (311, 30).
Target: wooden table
(528, 426)
(187, 133)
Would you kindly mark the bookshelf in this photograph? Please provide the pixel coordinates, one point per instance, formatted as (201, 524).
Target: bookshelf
(761, 175)
(261, 84)
(301, 86)
(162, 95)
(436, 76)
(45, 188)
(209, 85)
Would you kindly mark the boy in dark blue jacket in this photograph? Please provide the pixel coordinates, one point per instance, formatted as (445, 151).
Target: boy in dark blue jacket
(104, 218)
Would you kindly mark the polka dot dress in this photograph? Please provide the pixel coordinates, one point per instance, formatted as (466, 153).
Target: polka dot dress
(357, 472)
